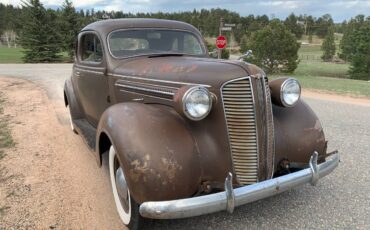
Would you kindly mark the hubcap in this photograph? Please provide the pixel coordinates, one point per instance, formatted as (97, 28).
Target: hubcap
(121, 184)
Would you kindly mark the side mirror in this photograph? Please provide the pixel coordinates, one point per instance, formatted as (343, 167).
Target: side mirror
(213, 54)
(246, 54)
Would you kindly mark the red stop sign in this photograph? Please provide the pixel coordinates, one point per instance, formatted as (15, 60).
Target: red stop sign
(221, 42)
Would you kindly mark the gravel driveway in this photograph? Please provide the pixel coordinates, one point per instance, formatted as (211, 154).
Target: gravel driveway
(339, 201)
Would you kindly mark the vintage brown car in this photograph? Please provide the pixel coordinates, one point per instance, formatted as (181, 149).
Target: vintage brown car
(187, 134)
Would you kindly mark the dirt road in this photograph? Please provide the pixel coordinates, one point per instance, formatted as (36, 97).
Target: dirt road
(51, 179)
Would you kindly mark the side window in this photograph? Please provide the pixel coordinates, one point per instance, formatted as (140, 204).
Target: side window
(91, 48)
(191, 45)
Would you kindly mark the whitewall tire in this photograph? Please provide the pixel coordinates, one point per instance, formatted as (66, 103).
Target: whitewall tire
(127, 208)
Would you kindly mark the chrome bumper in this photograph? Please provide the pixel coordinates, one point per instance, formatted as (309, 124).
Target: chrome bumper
(231, 198)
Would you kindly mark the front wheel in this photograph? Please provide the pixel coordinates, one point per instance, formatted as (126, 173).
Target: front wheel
(127, 208)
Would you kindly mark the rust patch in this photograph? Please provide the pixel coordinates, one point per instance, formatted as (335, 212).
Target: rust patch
(168, 68)
(139, 169)
(170, 167)
(191, 69)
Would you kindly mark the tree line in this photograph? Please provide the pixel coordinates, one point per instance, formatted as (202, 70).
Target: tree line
(44, 33)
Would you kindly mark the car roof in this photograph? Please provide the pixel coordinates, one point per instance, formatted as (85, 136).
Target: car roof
(107, 26)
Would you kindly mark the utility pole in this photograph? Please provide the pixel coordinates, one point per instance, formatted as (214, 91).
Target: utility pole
(305, 25)
(220, 33)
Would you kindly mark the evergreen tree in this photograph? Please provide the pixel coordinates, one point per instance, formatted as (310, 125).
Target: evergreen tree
(360, 60)
(291, 23)
(39, 36)
(274, 48)
(2, 18)
(70, 25)
(323, 24)
(347, 44)
(328, 46)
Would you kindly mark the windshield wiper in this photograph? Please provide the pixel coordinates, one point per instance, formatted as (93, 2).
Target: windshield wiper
(165, 55)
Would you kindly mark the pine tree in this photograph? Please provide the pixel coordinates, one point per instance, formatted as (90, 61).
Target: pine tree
(70, 25)
(291, 22)
(360, 60)
(39, 36)
(328, 46)
(274, 48)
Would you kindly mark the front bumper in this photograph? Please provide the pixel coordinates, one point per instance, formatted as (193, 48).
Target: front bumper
(231, 198)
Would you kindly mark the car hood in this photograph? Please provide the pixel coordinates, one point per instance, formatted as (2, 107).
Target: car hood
(185, 69)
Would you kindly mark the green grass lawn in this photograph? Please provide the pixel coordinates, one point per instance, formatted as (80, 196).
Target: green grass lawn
(326, 76)
(348, 87)
(322, 69)
(14, 55)
(10, 55)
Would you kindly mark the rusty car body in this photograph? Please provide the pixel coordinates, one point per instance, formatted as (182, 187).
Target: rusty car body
(133, 85)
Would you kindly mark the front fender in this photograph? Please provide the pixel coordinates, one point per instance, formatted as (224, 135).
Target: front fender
(298, 133)
(71, 100)
(158, 153)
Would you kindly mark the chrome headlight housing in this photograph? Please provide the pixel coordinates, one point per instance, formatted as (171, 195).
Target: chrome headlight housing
(197, 103)
(290, 92)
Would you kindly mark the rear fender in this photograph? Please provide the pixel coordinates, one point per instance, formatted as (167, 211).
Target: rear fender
(158, 153)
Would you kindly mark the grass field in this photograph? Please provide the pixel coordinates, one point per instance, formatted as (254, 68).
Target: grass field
(327, 76)
(14, 55)
(10, 55)
(322, 69)
(330, 77)
(354, 88)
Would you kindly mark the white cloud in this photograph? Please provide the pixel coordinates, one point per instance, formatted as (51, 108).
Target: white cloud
(339, 9)
(76, 3)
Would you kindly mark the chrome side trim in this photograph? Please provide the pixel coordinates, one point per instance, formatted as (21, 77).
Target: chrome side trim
(201, 205)
(150, 90)
(150, 85)
(157, 80)
(89, 71)
(145, 95)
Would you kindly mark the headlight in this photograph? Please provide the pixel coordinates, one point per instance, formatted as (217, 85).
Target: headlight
(197, 103)
(290, 92)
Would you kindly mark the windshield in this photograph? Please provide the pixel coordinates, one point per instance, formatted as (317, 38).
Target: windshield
(126, 43)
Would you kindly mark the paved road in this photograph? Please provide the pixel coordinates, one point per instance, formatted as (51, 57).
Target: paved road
(339, 201)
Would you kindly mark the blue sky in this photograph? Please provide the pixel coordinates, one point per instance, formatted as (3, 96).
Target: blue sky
(339, 9)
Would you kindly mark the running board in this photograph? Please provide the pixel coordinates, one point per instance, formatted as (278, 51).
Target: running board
(87, 131)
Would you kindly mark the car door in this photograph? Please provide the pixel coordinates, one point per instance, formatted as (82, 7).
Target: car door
(90, 76)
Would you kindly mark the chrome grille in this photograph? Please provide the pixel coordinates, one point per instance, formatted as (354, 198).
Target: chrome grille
(270, 130)
(240, 115)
